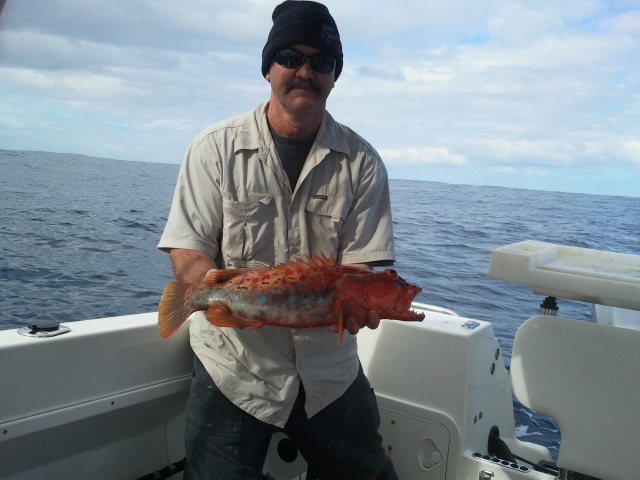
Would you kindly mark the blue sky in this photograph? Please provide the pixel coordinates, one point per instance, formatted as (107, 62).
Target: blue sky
(542, 95)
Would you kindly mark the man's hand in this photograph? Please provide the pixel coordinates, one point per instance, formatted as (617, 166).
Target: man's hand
(353, 326)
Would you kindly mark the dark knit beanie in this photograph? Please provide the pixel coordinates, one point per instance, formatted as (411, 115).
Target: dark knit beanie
(305, 23)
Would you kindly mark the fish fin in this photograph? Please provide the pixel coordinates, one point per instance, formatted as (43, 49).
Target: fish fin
(327, 261)
(213, 277)
(320, 260)
(309, 261)
(172, 311)
(220, 315)
(257, 266)
(336, 308)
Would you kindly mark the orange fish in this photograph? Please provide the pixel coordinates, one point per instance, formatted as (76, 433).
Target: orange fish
(308, 293)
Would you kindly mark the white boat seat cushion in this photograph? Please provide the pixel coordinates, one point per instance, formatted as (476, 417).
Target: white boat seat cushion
(586, 377)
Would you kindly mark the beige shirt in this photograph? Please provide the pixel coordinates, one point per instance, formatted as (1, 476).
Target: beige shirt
(233, 201)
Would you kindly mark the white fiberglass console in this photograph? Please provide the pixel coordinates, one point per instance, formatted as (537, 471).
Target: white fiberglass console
(586, 275)
(582, 374)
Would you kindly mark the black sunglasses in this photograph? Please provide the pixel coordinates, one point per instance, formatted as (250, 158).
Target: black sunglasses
(320, 63)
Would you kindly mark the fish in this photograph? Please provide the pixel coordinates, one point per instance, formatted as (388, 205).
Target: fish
(308, 292)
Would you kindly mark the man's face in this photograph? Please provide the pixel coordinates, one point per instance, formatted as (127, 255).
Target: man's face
(302, 89)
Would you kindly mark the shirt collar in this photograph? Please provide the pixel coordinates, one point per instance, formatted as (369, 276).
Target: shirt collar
(255, 133)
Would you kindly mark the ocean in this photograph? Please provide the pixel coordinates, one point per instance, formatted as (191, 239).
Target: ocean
(78, 240)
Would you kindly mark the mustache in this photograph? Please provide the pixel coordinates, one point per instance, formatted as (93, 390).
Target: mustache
(304, 84)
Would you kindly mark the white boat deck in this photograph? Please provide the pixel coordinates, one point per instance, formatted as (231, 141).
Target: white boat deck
(106, 400)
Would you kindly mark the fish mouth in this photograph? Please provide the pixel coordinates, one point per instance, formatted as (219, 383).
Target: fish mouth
(403, 310)
(411, 314)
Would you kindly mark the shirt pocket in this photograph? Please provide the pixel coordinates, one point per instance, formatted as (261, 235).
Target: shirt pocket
(247, 231)
(325, 215)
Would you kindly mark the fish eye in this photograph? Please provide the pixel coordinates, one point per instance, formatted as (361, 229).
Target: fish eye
(391, 272)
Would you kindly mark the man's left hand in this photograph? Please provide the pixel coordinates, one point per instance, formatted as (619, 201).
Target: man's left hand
(353, 326)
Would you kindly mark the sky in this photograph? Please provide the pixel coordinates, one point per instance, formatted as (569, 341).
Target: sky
(537, 94)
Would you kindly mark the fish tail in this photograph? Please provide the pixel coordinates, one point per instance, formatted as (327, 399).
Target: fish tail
(173, 311)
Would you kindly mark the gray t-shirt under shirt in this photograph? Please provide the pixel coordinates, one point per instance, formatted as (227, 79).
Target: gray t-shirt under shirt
(292, 152)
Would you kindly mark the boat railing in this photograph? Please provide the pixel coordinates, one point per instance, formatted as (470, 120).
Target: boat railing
(433, 308)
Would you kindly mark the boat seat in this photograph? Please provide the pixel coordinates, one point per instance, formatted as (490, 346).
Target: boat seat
(586, 377)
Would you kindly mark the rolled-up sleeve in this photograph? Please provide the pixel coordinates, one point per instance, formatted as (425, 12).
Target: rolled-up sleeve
(367, 232)
(195, 218)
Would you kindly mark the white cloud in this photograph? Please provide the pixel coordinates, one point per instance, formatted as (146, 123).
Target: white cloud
(494, 84)
(422, 155)
(504, 170)
(631, 152)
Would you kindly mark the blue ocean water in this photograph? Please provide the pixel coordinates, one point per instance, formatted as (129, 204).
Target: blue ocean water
(78, 237)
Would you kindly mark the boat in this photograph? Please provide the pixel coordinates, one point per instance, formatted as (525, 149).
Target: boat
(105, 398)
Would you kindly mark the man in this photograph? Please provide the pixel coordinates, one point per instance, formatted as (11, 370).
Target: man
(272, 185)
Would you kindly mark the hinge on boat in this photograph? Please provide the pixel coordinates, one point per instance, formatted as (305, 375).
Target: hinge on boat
(549, 306)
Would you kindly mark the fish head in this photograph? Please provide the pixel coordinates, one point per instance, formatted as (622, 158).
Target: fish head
(385, 292)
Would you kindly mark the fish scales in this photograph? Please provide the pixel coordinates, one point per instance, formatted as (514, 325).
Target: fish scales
(295, 297)
(293, 306)
(310, 293)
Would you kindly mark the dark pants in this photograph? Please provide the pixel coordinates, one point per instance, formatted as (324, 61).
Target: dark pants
(340, 442)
